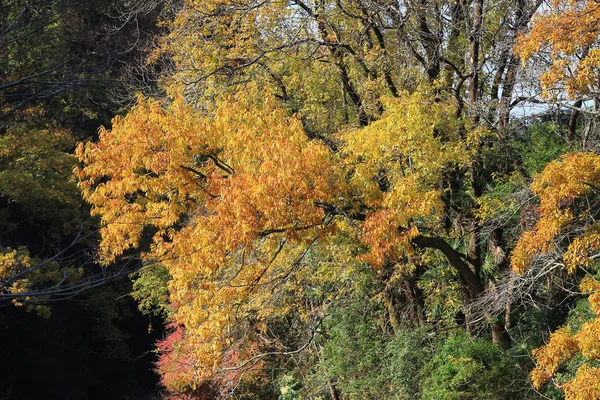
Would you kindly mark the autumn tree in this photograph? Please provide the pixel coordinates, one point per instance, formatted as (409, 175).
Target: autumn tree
(564, 37)
(291, 124)
(67, 57)
(59, 61)
(567, 229)
(205, 186)
(567, 33)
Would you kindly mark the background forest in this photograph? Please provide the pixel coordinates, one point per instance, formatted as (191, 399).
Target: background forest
(300, 199)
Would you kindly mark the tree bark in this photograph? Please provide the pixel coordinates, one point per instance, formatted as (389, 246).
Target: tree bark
(474, 44)
(333, 390)
(472, 281)
(573, 122)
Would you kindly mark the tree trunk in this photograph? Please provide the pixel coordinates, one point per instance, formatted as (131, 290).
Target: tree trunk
(415, 300)
(474, 44)
(573, 122)
(333, 390)
(500, 336)
(473, 284)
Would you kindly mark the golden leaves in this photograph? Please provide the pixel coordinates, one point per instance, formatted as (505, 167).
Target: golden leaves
(561, 346)
(566, 30)
(397, 163)
(386, 237)
(585, 385)
(233, 198)
(558, 186)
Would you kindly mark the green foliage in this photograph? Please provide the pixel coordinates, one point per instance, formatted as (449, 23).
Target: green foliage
(442, 291)
(355, 352)
(59, 59)
(577, 317)
(38, 158)
(541, 143)
(526, 332)
(406, 355)
(150, 290)
(502, 199)
(289, 387)
(466, 367)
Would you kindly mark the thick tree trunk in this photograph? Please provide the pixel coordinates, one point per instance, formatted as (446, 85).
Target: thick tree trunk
(573, 122)
(388, 300)
(508, 307)
(388, 296)
(500, 336)
(474, 248)
(496, 247)
(414, 297)
(473, 284)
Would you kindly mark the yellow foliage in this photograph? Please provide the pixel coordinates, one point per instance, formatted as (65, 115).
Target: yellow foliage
(561, 347)
(415, 141)
(22, 276)
(585, 385)
(559, 186)
(233, 196)
(592, 286)
(567, 29)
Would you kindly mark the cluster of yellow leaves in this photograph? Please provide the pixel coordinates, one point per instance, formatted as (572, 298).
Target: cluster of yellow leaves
(564, 344)
(209, 40)
(386, 238)
(504, 201)
(561, 347)
(567, 29)
(232, 197)
(491, 207)
(216, 45)
(35, 166)
(415, 141)
(584, 386)
(21, 276)
(12, 263)
(560, 184)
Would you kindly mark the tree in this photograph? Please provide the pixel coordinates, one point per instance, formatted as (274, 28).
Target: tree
(567, 33)
(565, 37)
(233, 181)
(216, 191)
(568, 188)
(568, 193)
(67, 56)
(58, 61)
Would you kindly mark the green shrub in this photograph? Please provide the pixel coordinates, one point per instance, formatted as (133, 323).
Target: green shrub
(465, 367)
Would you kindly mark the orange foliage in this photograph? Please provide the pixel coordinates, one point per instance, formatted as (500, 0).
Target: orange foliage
(567, 30)
(561, 346)
(559, 186)
(227, 194)
(228, 199)
(585, 385)
(417, 138)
